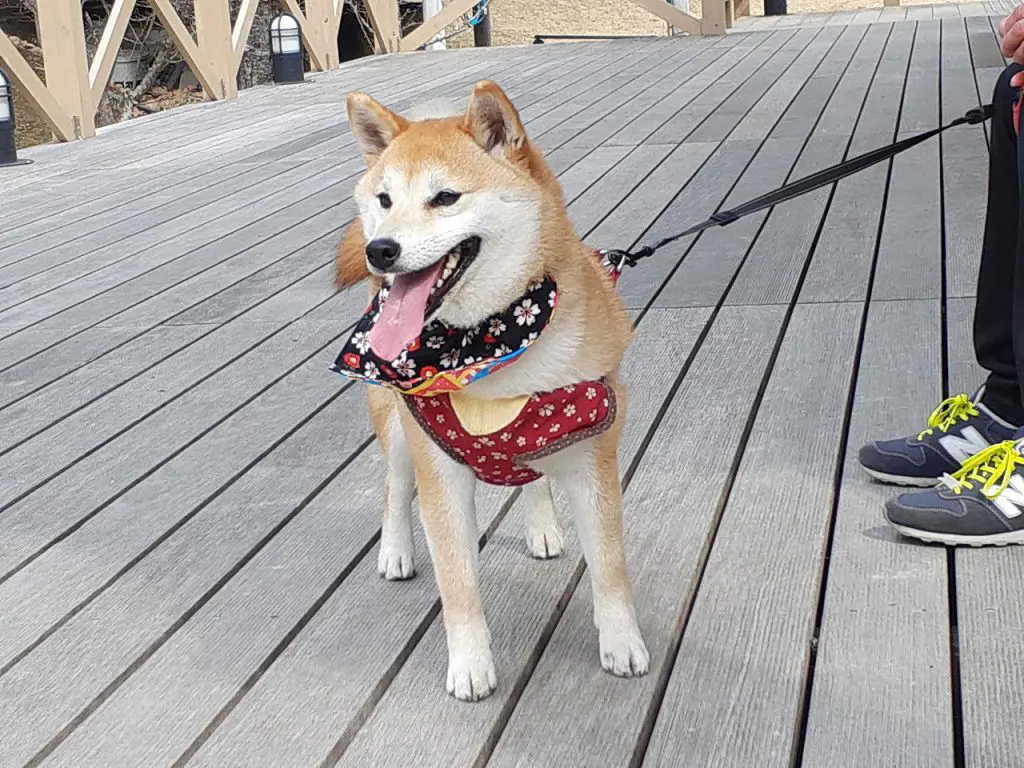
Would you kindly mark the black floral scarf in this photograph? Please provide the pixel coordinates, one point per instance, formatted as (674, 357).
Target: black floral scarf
(446, 359)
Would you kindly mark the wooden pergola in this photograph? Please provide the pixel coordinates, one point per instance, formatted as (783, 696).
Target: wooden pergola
(69, 98)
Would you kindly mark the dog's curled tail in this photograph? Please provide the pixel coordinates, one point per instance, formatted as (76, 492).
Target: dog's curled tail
(350, 260)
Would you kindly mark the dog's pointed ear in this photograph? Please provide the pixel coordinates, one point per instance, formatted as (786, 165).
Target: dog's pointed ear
(493, 122)
(374, 125)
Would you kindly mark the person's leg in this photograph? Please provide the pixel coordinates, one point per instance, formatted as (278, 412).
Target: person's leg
(994, 339)
(962, 426)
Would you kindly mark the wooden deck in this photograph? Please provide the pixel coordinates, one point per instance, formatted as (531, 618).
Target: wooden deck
(190, 501)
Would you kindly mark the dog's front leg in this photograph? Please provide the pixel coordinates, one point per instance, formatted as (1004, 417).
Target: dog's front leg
(395, 559)
(448, 511)
(592, 482)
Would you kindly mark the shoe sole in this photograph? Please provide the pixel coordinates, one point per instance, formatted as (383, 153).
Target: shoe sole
(903, 480)
(955, 540)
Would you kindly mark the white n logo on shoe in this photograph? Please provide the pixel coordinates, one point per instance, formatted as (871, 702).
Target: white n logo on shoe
(1011, 500)
(967, 444)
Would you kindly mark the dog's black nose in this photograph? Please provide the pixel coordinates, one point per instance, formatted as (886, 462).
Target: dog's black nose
(382, 253)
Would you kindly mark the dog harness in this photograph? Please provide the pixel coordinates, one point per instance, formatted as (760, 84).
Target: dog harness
(443, 360)
(547, 423)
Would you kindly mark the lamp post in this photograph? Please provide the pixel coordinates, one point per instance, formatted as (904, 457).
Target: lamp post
(8, 149)
(286, 49)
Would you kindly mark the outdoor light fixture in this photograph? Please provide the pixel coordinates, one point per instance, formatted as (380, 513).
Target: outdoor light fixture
(8, 149)
(286, 49)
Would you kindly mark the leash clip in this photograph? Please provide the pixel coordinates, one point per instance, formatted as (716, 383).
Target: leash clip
(617, 259)
(979, 114)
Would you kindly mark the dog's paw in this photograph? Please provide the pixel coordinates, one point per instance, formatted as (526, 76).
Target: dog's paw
(624, 654)
(545, 543)
(395, 563)
(472, 678)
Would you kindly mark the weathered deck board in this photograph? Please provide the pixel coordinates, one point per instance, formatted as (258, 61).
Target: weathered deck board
(863, 677)
(189, 501)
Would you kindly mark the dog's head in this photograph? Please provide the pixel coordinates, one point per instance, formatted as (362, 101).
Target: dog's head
(452, 210)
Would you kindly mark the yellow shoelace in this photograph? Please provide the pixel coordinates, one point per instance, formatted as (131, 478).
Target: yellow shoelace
(991, 467)
(950, 411)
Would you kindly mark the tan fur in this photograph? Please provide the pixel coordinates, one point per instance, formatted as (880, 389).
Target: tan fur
(486, 149)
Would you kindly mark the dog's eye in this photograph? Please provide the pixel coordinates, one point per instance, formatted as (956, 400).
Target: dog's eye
(445, 198)
(384, 199)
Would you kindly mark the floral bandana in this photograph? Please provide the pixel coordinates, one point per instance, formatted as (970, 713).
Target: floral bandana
(446, 359)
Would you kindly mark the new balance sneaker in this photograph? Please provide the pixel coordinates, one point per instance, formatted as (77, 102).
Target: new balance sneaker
(979, 505)
(958, 429)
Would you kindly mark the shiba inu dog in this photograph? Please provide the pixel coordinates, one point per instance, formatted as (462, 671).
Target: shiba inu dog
(498, 335)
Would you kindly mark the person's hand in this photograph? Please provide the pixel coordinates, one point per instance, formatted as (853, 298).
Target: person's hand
(1011, 30)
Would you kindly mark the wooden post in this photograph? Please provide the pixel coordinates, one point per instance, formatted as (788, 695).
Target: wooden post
(714, 19)
(384, 20)
(213, 33)
(319, 19)
(62, 38)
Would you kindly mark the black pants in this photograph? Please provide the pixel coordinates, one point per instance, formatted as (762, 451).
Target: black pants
(999, 312)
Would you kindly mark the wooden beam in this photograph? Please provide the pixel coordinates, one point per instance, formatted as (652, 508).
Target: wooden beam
(243, 27)
(110, 44)
(426, 31)
(213, 33)
(675, 17)
(42, 101)
(384, 20)
(187, 47)
(62, 38)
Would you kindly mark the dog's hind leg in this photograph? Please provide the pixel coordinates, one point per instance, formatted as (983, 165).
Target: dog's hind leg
(395, 560)
(543, 535)
(590, 475)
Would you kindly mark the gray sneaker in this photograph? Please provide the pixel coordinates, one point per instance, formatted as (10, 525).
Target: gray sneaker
(957, 430)
(982, 504)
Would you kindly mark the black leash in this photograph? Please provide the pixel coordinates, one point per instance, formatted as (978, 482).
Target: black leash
(802, 186)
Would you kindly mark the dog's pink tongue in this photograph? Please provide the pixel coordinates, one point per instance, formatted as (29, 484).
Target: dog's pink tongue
(404, 312)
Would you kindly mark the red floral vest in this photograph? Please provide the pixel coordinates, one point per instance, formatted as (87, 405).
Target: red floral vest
(548, 423)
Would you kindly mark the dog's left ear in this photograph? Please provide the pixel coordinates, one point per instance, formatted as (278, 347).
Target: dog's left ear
(493, 122)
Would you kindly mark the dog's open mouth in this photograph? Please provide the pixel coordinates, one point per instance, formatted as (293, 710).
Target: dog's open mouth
(415, 296)
(454, 266)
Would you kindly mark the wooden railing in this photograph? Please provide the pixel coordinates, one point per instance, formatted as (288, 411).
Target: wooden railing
(74, 86)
